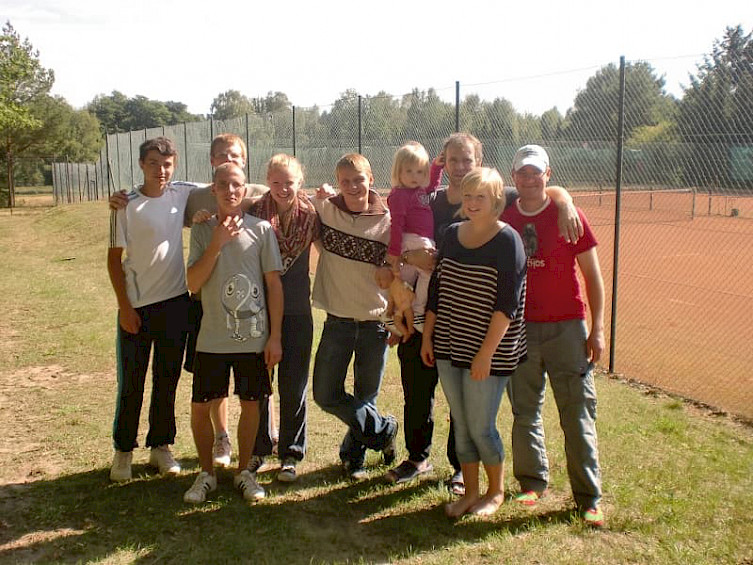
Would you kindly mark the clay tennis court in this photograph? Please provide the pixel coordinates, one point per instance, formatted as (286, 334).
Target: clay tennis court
(685, 292)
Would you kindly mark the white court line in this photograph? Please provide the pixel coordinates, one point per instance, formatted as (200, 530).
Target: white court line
(676, 255)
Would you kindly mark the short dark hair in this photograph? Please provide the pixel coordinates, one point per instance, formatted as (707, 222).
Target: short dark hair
(163, 145)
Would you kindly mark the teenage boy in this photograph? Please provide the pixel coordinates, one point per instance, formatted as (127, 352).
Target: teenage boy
(225, 148)
(235, 262)
(353, 245)
(559, 343)
(150, 287)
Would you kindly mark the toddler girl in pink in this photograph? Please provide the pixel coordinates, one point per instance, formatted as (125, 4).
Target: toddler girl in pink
(413, 179)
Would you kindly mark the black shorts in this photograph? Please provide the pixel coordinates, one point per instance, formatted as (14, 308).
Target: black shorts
(211, 378)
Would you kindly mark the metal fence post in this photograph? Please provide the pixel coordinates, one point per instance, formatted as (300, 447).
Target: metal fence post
(293, 131)
(248, 148)
(617, 206)
(109, 171)
(185, 149)
(359, 123)
(130, 154)
(117, 152)
(457, 106)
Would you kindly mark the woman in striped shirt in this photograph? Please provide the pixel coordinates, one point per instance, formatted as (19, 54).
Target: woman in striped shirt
(474, 330)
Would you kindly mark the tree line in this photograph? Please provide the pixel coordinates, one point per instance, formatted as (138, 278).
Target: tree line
(715, 111)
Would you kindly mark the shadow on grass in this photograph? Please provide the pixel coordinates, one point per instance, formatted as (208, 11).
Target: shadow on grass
(320, 518)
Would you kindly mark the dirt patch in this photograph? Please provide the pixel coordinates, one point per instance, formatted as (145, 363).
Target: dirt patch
(24, 454)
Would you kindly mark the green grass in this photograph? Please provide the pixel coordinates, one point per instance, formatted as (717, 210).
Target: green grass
(677, 481)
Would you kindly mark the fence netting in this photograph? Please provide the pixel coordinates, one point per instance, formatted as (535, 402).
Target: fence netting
(685, 281)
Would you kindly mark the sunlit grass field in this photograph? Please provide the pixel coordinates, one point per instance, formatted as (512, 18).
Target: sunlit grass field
(677, 481)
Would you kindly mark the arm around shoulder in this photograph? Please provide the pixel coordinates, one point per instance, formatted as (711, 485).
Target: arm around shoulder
(568, 220)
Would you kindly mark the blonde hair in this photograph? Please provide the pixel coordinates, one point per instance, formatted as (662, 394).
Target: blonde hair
(410, 153)
(226, 140)
(463, 139)
(287, 162)
(354, 161)
(485, 179)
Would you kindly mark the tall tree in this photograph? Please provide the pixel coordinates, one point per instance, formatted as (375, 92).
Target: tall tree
(273, 102)
(23, 81)
(716, 112)
(594, 114)
(119, 113)
(551, 124)
(231, 104)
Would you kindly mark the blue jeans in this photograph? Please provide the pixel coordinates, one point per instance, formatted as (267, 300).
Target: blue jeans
(342, 338)
(474, 406)
(559, 350)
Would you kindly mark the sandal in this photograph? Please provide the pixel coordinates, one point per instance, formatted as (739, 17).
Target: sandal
(406, 471)
(456, 485)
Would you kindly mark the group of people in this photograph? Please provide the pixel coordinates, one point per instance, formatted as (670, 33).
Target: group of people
(493, 304)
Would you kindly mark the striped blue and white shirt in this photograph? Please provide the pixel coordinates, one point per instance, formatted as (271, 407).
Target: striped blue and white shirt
(467, 287)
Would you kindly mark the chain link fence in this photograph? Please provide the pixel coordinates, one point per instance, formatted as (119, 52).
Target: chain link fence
(666, 183)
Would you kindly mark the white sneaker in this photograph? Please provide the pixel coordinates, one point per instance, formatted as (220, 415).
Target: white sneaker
(221, 451)
(287, 471)
(162, 459)
(203, 485)
(121, 466)
(246, 483)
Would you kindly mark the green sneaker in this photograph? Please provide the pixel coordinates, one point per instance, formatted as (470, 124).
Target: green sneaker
(594, 517)
(529, 497)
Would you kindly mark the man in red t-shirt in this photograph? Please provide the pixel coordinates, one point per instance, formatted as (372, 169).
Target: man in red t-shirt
(559, 343)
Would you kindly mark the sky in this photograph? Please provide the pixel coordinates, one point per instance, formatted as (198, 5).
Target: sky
(535, 54)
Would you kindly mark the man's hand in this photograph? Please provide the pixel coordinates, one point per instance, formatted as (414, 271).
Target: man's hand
(272, 352)
(569, 224)
(427, 350)
(201, 216)
(595, 345)
(325, 191)
(118, 200)
(383, 277)
(129, 320)
(226, 230)
(424, 259)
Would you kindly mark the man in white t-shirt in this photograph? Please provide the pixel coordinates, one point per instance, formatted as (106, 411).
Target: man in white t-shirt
(145, 264)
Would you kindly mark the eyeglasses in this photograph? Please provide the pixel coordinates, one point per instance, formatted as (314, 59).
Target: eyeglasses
(529, 176)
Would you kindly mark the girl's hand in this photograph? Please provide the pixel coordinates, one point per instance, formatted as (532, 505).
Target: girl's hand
(427, 350)
(201, 216)
(439, 160)
(481, 366)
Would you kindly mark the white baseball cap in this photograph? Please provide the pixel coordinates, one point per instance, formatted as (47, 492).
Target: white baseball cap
(533, 155)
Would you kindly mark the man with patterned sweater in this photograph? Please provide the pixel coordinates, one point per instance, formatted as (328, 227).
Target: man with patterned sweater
(354, 238)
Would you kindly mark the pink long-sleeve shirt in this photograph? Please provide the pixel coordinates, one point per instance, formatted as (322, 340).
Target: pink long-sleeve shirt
(410, 211)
